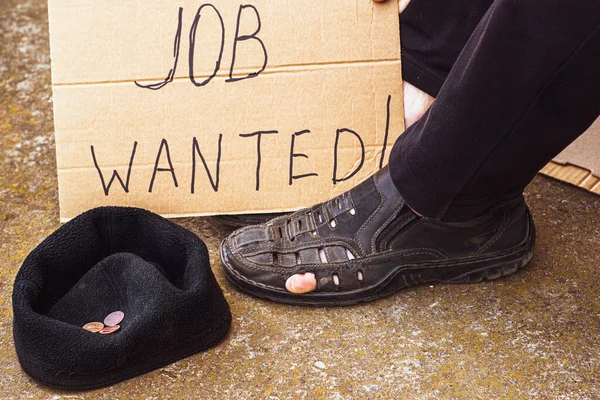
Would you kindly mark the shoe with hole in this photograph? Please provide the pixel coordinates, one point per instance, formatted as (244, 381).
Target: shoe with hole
(366, 244)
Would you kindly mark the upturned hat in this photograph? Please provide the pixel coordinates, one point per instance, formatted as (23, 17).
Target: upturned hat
(115, 259)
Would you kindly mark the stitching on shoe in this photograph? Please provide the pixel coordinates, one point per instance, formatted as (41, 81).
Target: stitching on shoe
(324, 214)
(280, 249)
(465, 262)
(501, 230)
(250, 229)
(363, 226)
(421, 221)
(322, 209)
(338, 266)
(308, 269)
(385, 225)
(292, 250)
(383, 242)
(424, 220)
(300, 257)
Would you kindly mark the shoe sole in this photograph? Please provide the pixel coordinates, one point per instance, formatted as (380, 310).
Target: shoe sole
(455, 271)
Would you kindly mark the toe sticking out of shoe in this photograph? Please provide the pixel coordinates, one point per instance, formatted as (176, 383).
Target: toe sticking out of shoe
(301, 283)
(306, 282)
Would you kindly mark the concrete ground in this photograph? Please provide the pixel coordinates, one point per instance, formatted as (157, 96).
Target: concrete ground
(532, 335)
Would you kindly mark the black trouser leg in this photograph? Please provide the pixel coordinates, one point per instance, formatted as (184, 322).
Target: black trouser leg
(433, 33)
(526, 84)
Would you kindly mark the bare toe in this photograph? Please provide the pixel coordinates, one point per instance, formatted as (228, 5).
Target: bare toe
(301, 283)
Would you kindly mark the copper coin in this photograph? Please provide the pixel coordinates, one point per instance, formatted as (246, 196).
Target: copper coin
(93, 326)
(114, 318)
(109, 329)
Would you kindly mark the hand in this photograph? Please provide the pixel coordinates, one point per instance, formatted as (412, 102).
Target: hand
(403, 3)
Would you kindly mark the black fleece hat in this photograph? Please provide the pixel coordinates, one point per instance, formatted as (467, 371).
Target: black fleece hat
(109, 259)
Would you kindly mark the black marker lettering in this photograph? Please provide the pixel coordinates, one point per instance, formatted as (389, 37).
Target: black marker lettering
(335, 155)
(259, 136)
(242, 38)
(387, 131)
(196, 149)
(163, 144)
(115, 174)
(294, 155)
(171, 74)
(193, 45)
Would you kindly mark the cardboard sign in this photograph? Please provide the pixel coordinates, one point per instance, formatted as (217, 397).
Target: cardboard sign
(192, 108)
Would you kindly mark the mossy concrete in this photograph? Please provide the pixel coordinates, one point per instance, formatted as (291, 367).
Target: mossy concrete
(532, 335)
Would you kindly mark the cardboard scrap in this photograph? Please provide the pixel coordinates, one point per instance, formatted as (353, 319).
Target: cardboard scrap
(579, 164)
(585, 151)
(191, 108)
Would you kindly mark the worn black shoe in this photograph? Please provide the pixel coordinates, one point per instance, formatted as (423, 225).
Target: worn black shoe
(366, 244)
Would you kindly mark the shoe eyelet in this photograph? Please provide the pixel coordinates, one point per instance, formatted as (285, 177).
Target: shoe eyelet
(319, 217)
(336, 279)
(332, 223)
(349, 255)
(360, 276)
(322, 256)
(352, 211)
